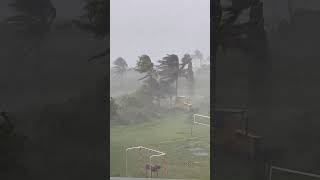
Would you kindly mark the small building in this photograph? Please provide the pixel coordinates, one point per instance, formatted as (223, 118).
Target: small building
(183, 103)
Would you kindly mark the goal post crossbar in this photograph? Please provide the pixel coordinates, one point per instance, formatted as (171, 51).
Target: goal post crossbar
(199, 123)
(199, 115)
(142, 147)
(145, 148)
(291, 171)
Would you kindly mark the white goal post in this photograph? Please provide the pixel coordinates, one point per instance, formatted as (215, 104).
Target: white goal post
(199, 115)
(158, 154)
(291, 171)
(194, 122)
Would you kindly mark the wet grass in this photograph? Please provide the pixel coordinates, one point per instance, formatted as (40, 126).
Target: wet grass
(187, 156)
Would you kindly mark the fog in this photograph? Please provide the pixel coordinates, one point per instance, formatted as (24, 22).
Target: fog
(158, 28)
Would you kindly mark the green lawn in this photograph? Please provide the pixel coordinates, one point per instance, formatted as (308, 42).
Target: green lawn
(187, 156)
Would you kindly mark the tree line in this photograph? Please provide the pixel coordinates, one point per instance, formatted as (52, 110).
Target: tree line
(161, 80)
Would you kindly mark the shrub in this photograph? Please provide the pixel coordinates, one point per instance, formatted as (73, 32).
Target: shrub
(136, 107)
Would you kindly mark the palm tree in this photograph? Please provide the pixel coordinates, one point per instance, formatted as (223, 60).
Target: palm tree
(150, 79)
(95, 21)
(114, 108)
(165, 90)
(34, 19)
(120, 67)
(198, 55)
(187, 73)
(169, 70)
(145, 66)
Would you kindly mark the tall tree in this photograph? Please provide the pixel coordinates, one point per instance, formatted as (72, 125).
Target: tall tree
(165, 90)
(120, 67)
(198, 55)
(169, 70)
(145, 66)
(187, 73)
(95, 21)
(114, 108)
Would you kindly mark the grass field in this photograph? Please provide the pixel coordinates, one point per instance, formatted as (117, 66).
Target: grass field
(188, 157)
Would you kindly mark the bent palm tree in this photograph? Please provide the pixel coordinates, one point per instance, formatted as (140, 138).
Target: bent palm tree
(120, 68)
(198, 55)
(150, 79)
(187, 73)
(144, 65)
(169, 69)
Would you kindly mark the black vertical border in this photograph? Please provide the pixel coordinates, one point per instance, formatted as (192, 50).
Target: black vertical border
(214, 19)
(107, 167)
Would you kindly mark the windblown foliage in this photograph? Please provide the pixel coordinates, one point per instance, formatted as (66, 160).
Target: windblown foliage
(187, 73)
(120, 66)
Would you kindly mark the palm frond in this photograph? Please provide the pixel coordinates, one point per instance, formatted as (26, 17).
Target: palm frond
(144, 77)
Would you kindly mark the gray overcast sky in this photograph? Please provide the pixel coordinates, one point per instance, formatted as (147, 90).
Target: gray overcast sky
(158, 27)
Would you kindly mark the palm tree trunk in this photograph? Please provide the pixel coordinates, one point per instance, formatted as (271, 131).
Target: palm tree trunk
(121, 79)
(177, 83)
